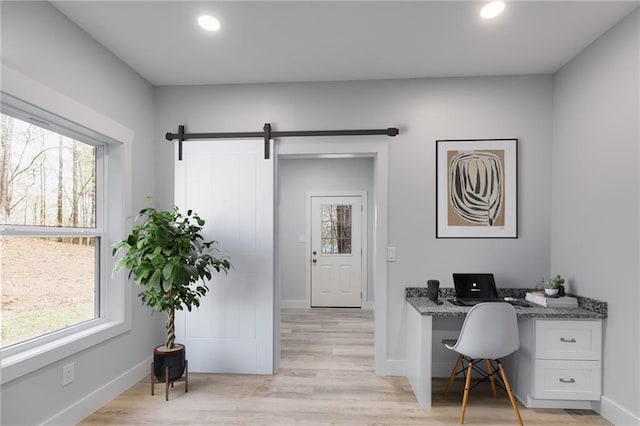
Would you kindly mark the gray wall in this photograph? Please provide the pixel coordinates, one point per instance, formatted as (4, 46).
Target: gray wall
(595, 197)
(424, 110)
(295, 178)
(596, 106)
(44, 45)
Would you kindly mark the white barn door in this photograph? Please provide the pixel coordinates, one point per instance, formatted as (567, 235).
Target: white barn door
(230, 185)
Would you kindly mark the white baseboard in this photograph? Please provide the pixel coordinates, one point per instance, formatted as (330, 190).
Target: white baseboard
(90, 403)
(616, 414)
(555, 403)
(294, 304)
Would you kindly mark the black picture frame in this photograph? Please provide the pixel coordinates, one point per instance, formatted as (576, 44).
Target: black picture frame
(477, 188)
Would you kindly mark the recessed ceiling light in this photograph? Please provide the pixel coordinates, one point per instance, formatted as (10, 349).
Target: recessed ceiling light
(208, 22)
(491, 10)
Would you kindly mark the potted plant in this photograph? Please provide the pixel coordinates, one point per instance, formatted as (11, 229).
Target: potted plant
(552, 286)
(167, 256)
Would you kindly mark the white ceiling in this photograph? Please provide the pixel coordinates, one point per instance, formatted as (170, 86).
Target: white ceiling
(339, 40)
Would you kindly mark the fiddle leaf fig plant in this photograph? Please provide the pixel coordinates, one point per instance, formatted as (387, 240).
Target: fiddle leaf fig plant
(168, 257)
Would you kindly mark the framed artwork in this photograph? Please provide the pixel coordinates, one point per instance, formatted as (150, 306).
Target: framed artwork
(477, 188)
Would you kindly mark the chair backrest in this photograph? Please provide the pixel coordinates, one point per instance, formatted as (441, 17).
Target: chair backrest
(490, 330)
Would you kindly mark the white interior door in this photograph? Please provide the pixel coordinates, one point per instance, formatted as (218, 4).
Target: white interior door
(336, 251)
(230, 185)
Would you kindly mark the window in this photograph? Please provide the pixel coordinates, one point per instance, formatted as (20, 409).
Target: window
(63, 189)
(49, 280)
(336, 229)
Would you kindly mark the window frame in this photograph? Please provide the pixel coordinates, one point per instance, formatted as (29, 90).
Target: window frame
(114, 295)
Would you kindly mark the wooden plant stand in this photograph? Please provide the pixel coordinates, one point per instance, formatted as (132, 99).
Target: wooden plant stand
(184, 378)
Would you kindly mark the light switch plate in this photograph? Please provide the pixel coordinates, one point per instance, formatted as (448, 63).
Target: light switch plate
(391, 254)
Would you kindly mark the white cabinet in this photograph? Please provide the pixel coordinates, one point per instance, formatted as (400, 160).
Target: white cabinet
(575, 340)
(559, 363)
(419, 341)
(562, 379)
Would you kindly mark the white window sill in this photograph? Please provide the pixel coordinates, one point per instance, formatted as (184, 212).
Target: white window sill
(35, 358)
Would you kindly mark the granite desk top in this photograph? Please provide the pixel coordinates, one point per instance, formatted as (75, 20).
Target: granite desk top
(587, 308)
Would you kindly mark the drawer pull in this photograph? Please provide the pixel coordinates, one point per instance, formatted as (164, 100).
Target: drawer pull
(572, 340)
(571, 380)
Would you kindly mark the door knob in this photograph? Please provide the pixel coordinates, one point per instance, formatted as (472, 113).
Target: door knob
(314, 253)
(314, 260)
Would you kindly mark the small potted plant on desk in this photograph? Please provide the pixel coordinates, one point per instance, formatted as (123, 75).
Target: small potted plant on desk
(167, 256)
(552, 287)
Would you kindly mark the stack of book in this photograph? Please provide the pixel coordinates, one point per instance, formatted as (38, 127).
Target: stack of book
(552, 302)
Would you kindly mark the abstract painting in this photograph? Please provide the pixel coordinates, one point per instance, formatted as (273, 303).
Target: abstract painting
(476, 188)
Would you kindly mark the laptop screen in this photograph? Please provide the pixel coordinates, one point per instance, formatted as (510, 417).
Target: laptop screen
(475, 286)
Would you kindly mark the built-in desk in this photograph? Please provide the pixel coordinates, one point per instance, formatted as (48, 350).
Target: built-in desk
(558, 364)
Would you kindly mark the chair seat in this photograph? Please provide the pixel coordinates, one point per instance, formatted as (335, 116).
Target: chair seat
(489, 331)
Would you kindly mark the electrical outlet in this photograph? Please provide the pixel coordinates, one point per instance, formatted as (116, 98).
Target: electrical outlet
(67, 374)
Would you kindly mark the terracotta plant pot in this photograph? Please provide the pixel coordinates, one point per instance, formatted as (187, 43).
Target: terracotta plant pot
(172, 358)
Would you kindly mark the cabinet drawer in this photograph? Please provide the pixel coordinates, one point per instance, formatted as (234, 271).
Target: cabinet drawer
(577, 340)
(576, 380)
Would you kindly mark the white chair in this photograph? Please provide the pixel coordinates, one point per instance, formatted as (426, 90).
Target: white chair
(489, 332)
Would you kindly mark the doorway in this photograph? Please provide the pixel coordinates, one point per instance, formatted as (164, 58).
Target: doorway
(377, 151)
(298, 180)
(338, 249)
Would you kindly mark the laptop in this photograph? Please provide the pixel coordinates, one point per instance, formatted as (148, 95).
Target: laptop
(472, 289)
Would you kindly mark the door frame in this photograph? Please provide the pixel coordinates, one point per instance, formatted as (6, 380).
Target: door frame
(340, 148)
(364, 225)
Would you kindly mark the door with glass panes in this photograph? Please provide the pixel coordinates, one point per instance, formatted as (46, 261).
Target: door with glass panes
(336, 251)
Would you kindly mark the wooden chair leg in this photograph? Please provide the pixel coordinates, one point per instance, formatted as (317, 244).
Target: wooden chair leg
(151, 379)
(491, 378)
(166, 383)
(186, 375)
(453, 375)
(467, 386)
(510, 393)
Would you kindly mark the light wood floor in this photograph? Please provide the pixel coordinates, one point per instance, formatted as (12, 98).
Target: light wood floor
(326, 376)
